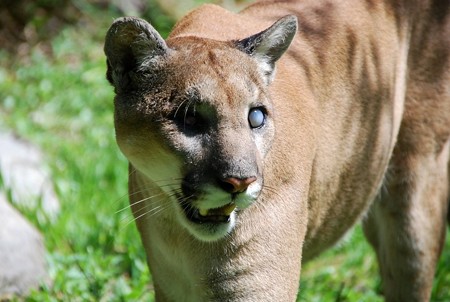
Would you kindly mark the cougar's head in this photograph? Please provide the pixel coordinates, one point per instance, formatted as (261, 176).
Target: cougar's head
(194, 116)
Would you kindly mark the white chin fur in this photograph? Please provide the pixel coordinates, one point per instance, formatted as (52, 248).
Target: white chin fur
(209, 232)
(214, 198)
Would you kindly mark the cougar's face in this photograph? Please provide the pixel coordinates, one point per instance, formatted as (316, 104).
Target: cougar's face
(199, 127)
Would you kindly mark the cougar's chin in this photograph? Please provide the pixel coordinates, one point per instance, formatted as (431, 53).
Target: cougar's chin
(210, 213)
(208, 224)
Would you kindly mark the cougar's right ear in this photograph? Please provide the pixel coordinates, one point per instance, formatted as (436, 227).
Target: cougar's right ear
(131, 45)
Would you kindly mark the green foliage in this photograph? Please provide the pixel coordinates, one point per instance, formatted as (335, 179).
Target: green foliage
(64, 104)
(349, 272)
(158, 18)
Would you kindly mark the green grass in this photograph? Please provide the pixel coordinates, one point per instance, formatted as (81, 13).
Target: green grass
(349, 272)
(64, 104)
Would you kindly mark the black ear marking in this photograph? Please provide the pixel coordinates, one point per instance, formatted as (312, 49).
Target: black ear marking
(269, 45)
(131, 44)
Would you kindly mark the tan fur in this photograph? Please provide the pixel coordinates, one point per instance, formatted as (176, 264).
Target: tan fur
(357, 126)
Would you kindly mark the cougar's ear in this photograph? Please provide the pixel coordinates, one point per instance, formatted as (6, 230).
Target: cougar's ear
(268, 46)
(131, 45)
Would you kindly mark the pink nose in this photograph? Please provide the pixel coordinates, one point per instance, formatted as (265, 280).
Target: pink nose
(237, 185)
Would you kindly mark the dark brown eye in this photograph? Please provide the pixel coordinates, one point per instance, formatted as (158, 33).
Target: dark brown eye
(190, 120)
(185, 117)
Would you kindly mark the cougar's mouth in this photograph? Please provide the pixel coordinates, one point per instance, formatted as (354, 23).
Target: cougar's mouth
(216, 215)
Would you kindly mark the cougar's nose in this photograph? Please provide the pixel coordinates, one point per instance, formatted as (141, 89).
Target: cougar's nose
(236, 185)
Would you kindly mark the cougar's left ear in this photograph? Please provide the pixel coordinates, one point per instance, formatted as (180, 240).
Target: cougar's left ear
(131, 45)
(268, 46)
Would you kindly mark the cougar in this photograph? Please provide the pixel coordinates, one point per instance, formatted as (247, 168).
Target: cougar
(257, 139)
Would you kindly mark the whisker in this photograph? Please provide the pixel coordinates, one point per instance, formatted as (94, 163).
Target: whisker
(145, 186)
(138, 202)
(133, 170)
(154, 210)
(144, 189)
(169, 179)
(153, 202)
(120, 198)
(184, 200)
(174, 193)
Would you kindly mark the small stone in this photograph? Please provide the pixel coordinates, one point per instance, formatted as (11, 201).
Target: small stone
(25, 175)
(22, 253)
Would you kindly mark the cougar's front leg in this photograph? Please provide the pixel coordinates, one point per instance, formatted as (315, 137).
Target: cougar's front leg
(407, 224)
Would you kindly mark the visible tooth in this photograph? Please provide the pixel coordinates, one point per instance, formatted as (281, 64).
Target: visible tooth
(228, 209)
(203, 212)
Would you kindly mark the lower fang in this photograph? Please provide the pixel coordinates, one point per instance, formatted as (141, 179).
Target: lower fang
(228, 209)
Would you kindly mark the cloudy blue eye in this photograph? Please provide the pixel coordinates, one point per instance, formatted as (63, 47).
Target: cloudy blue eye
(256, 117)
